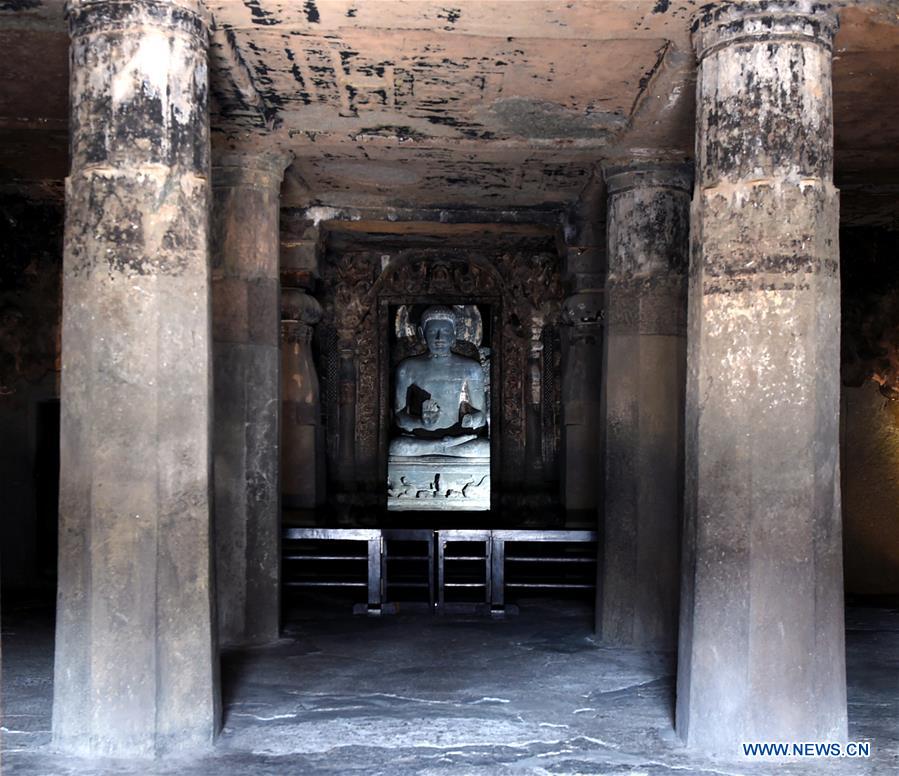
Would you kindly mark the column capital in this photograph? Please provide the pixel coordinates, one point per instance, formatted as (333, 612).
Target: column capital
(299, 313)
(731, 23)
(139, 86)
(86, 17)
(260, 169)
(622, 177)
(648, 232)
(297, 305)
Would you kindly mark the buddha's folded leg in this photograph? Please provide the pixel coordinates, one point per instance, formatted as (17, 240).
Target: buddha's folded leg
(472, 447)
(410, 446)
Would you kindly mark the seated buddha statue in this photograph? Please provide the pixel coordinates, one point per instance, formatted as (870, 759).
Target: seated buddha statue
(440, 399)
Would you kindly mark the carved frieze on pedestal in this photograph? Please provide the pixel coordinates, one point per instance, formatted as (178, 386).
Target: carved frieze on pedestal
(439, 483)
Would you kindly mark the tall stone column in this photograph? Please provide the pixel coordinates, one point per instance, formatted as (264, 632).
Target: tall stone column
(644, 371)
(761, 642)
(136, 661)
(582, 319)
(302, 435)
(246, 321)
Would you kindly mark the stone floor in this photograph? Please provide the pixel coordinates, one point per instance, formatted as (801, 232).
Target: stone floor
(418, 694)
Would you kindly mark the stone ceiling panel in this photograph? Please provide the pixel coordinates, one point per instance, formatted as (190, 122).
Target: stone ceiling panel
(429, 84)
(453, 180)
(456, 104)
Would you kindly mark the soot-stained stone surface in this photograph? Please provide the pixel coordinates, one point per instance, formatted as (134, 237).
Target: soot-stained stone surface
(761, 628)
(135, 669)
(246, 361)
(645, 355)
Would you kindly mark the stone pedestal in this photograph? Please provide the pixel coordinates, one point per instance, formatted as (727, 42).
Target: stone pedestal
(645, 354)
(761, 644)
(438, 483)
(302, 435)
(136, 669)
(246, 319)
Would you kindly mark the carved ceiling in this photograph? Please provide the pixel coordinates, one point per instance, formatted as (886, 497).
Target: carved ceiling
(498, 104)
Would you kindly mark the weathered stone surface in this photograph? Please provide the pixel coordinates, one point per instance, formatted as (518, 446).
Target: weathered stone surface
(644, 369)
(582, 318)
(136, 662)
(246, 314)
(583, 277)
(761, 643)
(302, 434)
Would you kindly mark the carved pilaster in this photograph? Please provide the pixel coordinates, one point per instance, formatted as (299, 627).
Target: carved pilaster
(582, 323)
(246, 205)
(644, 355)
(302, 440)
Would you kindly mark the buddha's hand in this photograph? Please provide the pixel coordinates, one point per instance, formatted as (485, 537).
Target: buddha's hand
(473, 420)
(430, 413)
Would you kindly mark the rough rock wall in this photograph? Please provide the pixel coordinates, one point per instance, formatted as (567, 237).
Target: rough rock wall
(30, 266)
(870, 308)
(870, 411)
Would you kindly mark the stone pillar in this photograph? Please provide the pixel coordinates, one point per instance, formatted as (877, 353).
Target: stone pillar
(644, 370)
(302, 435)
(136, 669)
(762, 635)
(245, 328)
(533, 453)
(346, 399)
(582, 316)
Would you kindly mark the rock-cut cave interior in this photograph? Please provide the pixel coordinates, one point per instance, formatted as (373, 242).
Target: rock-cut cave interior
(449, 386)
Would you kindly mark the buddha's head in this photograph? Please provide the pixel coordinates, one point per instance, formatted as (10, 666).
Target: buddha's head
(438, 329)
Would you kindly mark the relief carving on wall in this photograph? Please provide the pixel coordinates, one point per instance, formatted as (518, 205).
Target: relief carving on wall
(526, 287)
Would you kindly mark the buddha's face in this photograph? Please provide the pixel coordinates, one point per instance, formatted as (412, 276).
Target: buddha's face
(440, 337)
